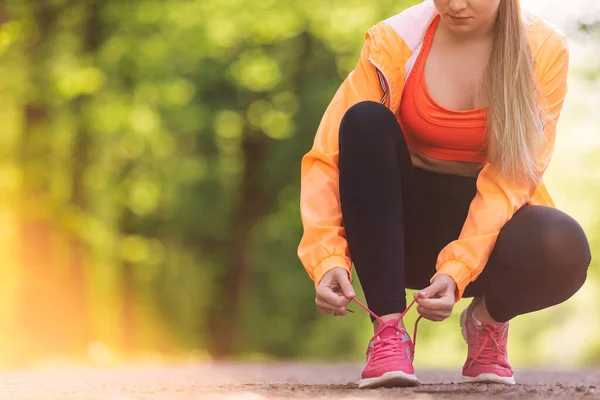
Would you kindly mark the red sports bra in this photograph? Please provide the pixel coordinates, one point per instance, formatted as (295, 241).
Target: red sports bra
(434, 130)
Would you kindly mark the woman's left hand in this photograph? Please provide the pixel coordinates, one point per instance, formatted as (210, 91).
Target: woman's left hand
(436, 301)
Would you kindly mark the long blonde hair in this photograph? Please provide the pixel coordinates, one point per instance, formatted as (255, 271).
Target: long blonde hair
(515, 132)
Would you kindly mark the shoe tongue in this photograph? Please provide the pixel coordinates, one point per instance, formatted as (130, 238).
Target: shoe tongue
(390, 329)
(477, 322)
(496, 328)
(494, 325)
(480, 324)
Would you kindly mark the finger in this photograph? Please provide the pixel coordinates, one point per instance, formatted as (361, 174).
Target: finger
(327, 295)
(442, 303)
(420, 295)
(319, 306)
(325, 309)
(436, 287)
(323, 306)
(432, 315)
(435, 318)
(429, 311)
(341, 312)
(431, 302)
(328, 308)
(338, 312)
(344, 282)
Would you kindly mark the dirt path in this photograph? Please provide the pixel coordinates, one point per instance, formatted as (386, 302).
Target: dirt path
(275, 381)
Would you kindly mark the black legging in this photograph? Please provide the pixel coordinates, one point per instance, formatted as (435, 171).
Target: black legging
(398, 218)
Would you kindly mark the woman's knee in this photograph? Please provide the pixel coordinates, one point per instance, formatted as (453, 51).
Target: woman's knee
(556, 241)
(368, 123)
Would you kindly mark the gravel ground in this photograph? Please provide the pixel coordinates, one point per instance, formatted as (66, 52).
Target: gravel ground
(276, 381)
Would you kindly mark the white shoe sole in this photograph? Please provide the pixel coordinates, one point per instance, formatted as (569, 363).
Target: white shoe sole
(390, 379)
(482, 378)
(489, 378)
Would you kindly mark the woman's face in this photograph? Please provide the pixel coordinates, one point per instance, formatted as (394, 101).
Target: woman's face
(468, 16)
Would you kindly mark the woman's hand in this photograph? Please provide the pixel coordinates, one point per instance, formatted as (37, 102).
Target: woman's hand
(435, 302)
(334, 292)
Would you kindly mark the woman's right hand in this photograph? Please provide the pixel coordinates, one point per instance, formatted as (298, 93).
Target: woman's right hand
(334, 292)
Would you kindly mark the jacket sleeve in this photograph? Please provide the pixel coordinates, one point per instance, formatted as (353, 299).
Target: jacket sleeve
(323, 245)
(497, 200)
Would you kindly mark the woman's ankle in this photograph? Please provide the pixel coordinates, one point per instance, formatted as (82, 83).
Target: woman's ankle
(480, 311)
(389, 317)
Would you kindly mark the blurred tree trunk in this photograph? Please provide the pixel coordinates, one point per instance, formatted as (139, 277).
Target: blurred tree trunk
(257, 197)
(128, 322)
(260, 186)
(52, 307)
(253, 204)
(35, 317)
(92, 29)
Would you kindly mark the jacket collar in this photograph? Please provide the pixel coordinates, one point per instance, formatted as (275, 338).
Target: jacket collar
(397, 41)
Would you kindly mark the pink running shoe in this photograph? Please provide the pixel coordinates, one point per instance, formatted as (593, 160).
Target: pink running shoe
(389, 358)
(487, 361)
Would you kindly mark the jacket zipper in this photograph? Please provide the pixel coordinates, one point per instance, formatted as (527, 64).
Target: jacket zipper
(385, 85)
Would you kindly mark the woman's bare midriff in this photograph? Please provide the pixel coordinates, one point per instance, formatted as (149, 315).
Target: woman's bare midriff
(461, 168)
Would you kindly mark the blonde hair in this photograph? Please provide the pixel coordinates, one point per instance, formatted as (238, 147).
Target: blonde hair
(515, 131)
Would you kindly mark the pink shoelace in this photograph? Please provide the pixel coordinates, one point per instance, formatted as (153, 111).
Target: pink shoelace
(414, 337)
(488, 352)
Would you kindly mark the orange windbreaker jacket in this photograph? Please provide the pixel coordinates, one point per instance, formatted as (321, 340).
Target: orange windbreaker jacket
(389, 52)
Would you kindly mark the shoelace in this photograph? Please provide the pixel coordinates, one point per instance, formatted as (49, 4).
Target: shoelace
(388, 347)
(364, 307)
(488, 354)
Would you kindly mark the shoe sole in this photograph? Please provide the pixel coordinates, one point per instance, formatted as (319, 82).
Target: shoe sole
(482, 378)
(389, 380)
(489, 378)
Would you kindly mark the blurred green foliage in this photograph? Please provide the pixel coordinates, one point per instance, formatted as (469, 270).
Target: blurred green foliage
(150, 178)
